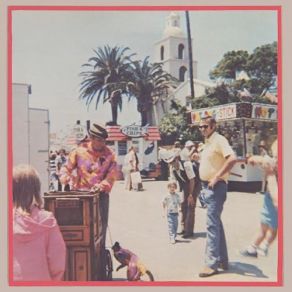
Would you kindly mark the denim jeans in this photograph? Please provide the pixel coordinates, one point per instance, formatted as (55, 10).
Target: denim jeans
(216, 248)
(172, 220)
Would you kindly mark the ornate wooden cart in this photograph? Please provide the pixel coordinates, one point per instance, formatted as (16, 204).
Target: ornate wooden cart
(77, 215)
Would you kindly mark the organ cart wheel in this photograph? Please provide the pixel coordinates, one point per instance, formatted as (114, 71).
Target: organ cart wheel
(109, 265)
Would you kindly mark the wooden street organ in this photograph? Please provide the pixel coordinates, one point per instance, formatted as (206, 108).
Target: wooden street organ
(77, 215)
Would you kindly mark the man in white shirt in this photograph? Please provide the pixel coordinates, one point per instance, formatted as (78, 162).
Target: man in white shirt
(216, 160)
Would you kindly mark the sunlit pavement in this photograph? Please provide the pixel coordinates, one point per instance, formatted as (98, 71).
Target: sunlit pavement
(136, 221)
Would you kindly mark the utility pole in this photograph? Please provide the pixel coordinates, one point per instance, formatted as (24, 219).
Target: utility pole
(190, 55)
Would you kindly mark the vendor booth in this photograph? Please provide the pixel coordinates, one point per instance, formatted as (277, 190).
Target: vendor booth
(245, 125)
(120, 139)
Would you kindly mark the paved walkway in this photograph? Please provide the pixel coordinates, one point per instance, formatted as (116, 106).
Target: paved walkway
(136, 221)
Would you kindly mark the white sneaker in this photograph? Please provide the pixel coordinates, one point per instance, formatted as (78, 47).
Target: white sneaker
(172, 241)
(262, 252)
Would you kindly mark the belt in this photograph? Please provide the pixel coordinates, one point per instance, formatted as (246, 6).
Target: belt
(205, 182)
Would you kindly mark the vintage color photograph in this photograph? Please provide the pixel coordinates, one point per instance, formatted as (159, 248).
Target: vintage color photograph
(144, 146)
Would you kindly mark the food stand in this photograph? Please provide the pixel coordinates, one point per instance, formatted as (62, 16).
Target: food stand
(244, 124)
(145, 139)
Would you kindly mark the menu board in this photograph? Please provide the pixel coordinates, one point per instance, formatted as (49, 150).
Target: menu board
(264, 111)
(236, 110)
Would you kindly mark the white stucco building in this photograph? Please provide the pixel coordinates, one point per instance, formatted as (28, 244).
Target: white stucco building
(172, 52)
(172, 49)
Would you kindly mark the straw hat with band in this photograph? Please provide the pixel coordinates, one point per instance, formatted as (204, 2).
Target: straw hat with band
(97, 131)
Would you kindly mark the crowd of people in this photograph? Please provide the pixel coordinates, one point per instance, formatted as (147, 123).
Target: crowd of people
(57, 160)
(199, 170)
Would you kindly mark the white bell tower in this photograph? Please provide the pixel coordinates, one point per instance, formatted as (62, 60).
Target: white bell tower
(172, 50)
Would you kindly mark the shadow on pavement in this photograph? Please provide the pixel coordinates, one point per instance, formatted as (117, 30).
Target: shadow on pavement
(182, 241)
(245, 269)
(200, 235)
(189, 239)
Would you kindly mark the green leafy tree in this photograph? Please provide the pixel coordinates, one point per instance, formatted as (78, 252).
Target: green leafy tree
(260, 66)
(231, 62)
(106, 78)
(175, 126)
(148, 81)
(220, 94)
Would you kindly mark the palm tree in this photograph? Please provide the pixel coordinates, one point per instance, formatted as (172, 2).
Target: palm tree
(149, 81)
(107, 78)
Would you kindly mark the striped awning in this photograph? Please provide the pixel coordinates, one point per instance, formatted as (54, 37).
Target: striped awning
(115, 134)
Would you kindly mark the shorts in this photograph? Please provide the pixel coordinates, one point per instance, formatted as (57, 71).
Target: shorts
(269, 214)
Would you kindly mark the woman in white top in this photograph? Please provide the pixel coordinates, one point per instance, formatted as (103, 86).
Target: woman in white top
(130, 165)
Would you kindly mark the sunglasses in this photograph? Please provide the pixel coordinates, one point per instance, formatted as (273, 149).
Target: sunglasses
(204, 127)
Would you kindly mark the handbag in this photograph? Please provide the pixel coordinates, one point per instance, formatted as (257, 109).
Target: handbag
(136, 177)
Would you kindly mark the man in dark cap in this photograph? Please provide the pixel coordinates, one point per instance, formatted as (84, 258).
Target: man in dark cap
(92, 167)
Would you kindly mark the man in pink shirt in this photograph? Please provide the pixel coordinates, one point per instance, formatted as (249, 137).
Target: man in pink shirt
(92, 167)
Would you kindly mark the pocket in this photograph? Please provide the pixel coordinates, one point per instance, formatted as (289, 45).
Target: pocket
(207, 194)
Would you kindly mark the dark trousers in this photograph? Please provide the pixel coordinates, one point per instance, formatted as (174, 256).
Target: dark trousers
(103, 211)
(164, 170)
(188, 211)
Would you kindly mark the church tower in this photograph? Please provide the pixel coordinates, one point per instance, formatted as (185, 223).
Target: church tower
(172, 50)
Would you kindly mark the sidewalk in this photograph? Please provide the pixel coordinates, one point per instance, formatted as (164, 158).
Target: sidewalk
(136, 221)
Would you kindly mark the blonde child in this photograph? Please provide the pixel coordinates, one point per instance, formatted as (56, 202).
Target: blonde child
(269, 213)
(171, 204)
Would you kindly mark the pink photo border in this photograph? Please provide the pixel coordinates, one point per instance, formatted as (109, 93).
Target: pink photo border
(10, 10)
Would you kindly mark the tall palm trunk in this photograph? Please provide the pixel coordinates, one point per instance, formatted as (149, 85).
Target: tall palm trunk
(114, 114)
(115, 96)
(144, 116)
(144, 108)
(190, 55)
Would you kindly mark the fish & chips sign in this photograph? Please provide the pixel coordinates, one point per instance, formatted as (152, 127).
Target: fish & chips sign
(135, 131)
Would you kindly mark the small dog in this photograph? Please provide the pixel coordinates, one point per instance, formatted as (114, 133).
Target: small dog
(136, 268)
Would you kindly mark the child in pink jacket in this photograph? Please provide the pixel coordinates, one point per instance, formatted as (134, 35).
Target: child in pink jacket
(39, 251)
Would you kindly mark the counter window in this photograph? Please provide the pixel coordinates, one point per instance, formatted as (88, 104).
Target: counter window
(245, 136)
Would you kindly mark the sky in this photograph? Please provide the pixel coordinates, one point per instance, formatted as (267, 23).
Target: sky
(49, 48)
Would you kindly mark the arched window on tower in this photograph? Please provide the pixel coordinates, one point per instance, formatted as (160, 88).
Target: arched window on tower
(162, 53)
(182, 73)
(181, 48)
